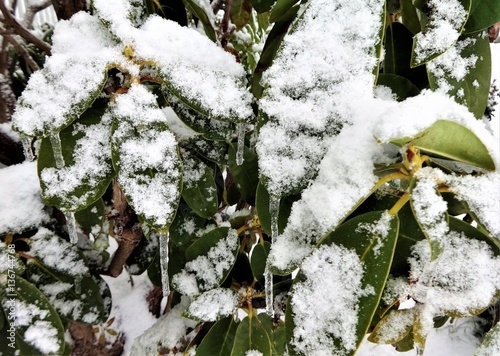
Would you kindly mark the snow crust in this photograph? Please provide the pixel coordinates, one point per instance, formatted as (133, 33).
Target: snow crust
(21, 204)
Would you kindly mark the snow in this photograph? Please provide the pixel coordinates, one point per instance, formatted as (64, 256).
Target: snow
(212, 305)
(21, 206)
(43, 336)
(327, 308)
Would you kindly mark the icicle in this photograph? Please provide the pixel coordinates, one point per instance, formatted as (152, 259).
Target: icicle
(274, 208)
(28, 151)
(71, 223)
(241, 144)
(55, 140)
(165, 282)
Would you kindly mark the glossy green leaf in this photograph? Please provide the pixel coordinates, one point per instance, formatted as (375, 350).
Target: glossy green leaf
(39, 317)
(473, 89)
(199, 190)
(393, 327)
(483, 14)
(195, 9)
(251, 335)
(402, 87)
(472, 233)
(92, 217)
(489, 346)
(409, 16)
(241, 10)
(209, 128)
(185, 225)
(154, 270)
(398, 48)
(276, 334)
(201, 246)
(245, 175)
(143, 255)
(282, 10)
(87, 157)
(262, 206)
(450, 140)
(259, 258)
(213, 151)
(421, 53)
(220, 338)
(455, 206)
(262, 5)
(76, 298)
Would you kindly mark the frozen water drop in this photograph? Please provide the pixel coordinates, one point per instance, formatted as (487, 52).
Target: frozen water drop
(71, 223)
(28, 150)
(165, 282)
(241, 144)
(55, 140)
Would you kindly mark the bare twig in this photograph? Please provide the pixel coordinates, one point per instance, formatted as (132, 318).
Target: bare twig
(224, 25)
(22, 51)
(32, 10)
(22, 31)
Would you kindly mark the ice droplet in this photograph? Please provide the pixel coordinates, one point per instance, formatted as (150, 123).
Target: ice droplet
(165, 282)
(28, 151)
(241, 144)
(274, 209)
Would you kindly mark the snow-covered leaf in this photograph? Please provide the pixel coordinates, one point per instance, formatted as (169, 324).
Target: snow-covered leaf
(393, 327)
(87, 171)
(251, 335)
(212, 305)
(400, 86)
(220, 338)
(145, 154)
(451, 140)
(199, 190)
(185, 225)
(39, 330)
(10, 262)
(209, 261)
(447, 19)
(201, 13)
(464, 72)
(71, 79)
(491, 343)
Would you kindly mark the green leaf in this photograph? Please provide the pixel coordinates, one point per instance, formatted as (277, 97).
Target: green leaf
(151, 182)
(363, 235)
(402, 87)
(262, 5)
(143, 255)
(245, 175)
(259, 258)
(209, 128)
(409, 16)
(13, 263)
(276, 334)
(483, 14)
(76, 298)
(241, 10)
(262, 206)
(220, 338)
(283, 10)
(38, 318)
(393, 327)
(251, 335)
(201, 246)
(473, 89)
(92, 218)
(87, 157)
(199, 189)
(489, 346)
(193, 7)
(185, 225)
(398, 48)
(472, 233)
(450, 140)
(433, 41)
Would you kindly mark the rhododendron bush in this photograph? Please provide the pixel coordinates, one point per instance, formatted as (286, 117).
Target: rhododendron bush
(292, 175)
